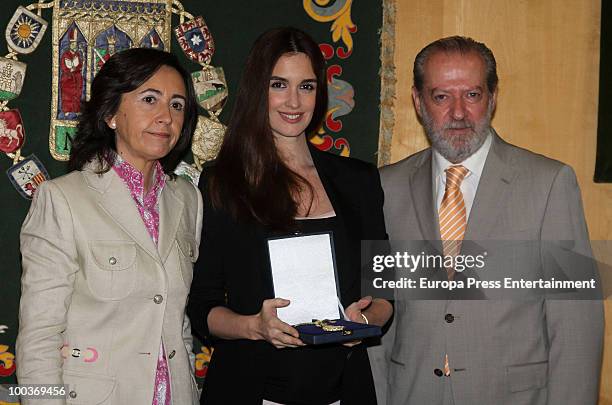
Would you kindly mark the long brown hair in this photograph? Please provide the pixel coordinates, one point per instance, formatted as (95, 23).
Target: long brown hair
(250, 180)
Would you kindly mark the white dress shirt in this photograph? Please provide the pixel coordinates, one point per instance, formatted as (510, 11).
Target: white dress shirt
(469, 185)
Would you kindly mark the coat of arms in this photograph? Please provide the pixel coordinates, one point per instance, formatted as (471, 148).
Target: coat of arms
(12, 133)
(195, 39)
(210, 87)
(12, 74)
(24, 31)
(27, 175)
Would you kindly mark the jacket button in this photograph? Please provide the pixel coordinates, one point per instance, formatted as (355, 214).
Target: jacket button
(72, 394)
(172, 353)
(438, 372)
(158, 299)
(449, 318)
(112, 261)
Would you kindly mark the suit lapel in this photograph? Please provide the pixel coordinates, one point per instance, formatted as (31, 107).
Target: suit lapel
(422, 198)
(493, 190)
(327, 174)
(117, 202)
(170, 212)
(332, 183)
(336, 191)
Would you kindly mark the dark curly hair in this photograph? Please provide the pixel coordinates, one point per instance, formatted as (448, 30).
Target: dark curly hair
(124, 72)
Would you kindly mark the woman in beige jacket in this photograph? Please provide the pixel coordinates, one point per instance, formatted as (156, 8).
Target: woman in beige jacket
(108, 249)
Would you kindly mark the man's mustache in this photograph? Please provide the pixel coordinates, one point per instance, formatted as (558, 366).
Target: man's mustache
(462, 124)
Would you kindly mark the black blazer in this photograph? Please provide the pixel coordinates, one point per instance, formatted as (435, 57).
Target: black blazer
(233, 270)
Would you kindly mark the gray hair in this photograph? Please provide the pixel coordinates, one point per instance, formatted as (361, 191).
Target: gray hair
(456, 44)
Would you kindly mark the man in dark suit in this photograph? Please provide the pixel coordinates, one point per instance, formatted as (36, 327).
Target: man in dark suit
(471, 185)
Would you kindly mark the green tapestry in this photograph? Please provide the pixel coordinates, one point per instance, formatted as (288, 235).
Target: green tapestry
(351, 49)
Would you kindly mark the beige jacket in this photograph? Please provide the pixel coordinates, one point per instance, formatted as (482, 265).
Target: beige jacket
(98, 295)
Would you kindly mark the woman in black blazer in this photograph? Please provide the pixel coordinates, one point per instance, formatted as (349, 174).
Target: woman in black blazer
(269, 181)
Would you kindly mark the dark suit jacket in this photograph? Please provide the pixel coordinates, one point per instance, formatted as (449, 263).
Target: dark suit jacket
(233, 270)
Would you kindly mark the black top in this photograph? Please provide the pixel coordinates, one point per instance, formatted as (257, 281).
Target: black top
(233, 270)
(310, 372)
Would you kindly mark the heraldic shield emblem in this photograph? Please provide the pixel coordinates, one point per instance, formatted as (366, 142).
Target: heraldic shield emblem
(24, 31)
(12, 133)
(12, 74)
(195, 39)
(210, 87)
(27, 175)
(85, 35)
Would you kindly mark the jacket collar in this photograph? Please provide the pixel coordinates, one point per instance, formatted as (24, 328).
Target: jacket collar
(115, 199)
(493, 190)
(327, 174)
(321, 161)
(422, 198)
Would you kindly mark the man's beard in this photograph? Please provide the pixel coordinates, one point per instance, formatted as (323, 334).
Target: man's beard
(457, 148)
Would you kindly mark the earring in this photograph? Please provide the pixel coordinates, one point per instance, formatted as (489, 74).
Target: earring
(113, 125)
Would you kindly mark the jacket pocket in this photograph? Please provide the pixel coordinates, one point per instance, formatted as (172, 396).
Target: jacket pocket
(188, 255)
(526, 377)
(112, 273)
(88, 389)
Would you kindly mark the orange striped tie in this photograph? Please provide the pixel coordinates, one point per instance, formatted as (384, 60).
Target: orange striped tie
(452, 214)
(453, 221)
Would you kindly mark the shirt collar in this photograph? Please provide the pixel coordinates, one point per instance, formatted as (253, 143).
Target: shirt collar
(474, 163)
(134, 180)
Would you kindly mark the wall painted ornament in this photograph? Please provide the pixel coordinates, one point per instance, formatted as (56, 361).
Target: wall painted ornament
(341, 93)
